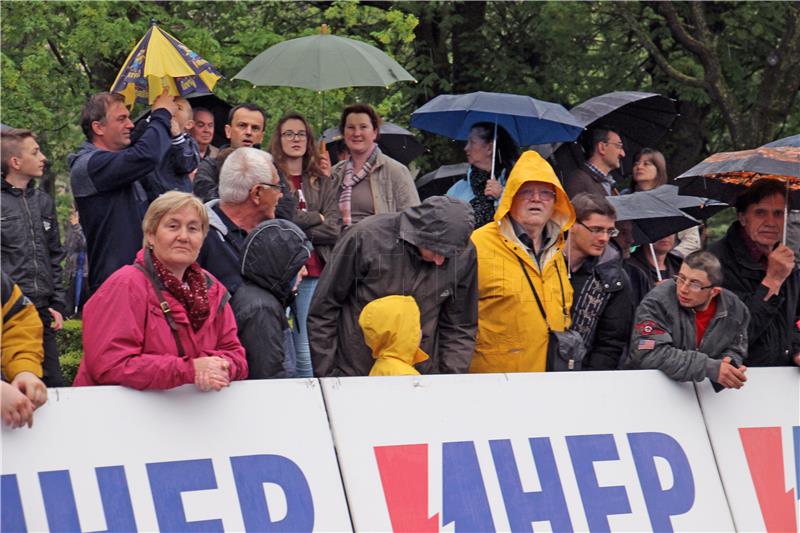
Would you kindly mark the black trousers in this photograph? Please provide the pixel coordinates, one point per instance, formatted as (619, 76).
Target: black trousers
(51, 366)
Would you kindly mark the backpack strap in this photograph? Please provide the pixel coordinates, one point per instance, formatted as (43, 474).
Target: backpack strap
(150, 274)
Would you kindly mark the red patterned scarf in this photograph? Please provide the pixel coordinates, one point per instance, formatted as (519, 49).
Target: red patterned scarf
(192, 294)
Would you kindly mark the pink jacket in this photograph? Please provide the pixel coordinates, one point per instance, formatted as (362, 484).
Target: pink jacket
(127, 341)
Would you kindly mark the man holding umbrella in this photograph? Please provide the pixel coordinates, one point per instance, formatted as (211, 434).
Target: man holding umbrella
(762, 272)
(106, 173)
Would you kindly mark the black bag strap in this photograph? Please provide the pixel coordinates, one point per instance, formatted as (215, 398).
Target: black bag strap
(535, 295)
(148, 271)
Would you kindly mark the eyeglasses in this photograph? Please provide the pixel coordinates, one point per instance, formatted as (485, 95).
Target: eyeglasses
(542, 194)
(619, 145)
(271, 185)
(692, 285)
(611, 232)
(291, 135)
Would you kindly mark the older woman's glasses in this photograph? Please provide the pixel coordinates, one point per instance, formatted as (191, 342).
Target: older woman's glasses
(691, 285)
(611, 232)
(291, 135)
(271, 185)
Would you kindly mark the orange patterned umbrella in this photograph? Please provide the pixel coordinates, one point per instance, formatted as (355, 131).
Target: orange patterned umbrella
(725, 175)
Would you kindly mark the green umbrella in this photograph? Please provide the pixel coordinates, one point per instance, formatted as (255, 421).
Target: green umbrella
(322, 62)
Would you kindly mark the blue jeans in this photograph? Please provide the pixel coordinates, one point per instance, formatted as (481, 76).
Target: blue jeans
(303, 301)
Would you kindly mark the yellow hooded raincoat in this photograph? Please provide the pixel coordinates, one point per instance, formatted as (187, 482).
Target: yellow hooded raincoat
(512, 334)
(392, 330)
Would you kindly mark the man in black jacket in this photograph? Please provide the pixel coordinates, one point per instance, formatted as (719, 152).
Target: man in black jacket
(602, 305)
(31, 247)
(249, 193)
(245, 127)
(762, 272)
(106, 174)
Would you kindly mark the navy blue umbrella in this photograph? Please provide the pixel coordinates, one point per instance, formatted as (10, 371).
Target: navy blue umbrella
(527, 120)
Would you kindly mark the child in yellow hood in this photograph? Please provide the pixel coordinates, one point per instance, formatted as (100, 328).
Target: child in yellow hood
(392, 331)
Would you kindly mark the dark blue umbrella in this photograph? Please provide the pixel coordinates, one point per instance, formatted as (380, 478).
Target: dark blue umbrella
(527, 120)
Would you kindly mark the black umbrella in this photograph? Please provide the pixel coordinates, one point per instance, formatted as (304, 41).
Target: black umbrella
(652, 217)
(695, 206)
(396, 142)
(642, 119)
(437, 183)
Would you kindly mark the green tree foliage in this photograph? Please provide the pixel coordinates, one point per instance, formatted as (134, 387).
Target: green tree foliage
(714, 58)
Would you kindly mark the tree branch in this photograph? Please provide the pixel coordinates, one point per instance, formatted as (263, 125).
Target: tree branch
(679, 31)
(656, 54)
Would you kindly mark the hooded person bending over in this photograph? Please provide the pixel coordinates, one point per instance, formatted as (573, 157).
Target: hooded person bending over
(424, 252)
(517, 254)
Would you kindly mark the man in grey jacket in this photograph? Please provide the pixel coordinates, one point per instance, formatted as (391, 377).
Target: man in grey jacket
(424, 252)
(691, 328)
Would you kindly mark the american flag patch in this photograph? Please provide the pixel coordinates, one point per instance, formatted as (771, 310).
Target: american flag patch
(646, 344)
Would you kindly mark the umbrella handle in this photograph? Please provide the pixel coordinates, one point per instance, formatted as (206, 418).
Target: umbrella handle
(655, 262)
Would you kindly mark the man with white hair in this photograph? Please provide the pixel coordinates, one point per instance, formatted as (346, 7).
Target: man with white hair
(249, 190)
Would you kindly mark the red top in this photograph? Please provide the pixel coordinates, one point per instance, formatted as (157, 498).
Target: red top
(702, 319)
(314, 264)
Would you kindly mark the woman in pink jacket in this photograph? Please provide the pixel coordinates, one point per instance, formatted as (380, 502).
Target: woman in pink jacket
(163, 321)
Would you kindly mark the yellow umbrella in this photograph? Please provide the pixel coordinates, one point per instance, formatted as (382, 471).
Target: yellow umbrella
(159, 60)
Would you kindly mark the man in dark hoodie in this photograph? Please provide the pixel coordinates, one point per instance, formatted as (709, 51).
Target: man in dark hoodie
(424, 252)
(602, 302)
(274, 252)
(106, 173)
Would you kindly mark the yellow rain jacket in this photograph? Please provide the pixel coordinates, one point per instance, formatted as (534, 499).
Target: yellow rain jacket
(22, 333)
(512, 334)
(392, 330)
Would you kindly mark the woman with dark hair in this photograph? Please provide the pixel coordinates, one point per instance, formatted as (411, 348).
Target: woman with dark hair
(478, 188)
(369, 182)
(649, 172)
(295, 154)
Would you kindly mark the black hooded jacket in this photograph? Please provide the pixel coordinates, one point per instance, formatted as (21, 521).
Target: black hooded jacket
(273, 254)
(773, 334)
(380, 256)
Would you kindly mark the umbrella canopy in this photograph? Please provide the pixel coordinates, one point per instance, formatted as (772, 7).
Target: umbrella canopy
(695, 206)
(527, 120)
(642, 120)
(725, 175)
(322, 62)
(159, 60)
(652, 217)
(395, 141)
(437, 183)
(793, 140)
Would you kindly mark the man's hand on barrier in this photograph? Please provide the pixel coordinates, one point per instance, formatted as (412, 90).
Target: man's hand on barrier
(731, 377)
(32, 387)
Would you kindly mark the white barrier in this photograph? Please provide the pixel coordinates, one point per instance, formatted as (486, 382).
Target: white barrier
(255, 456)
(755, 432)
(585, 451)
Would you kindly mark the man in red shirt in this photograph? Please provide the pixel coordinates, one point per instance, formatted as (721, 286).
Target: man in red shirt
(691, 328)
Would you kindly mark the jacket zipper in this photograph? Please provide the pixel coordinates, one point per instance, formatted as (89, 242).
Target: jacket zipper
(33, 242)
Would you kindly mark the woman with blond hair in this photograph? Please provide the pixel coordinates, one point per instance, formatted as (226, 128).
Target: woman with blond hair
(163, 321)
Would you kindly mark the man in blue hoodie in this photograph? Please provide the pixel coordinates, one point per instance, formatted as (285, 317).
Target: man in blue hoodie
(106, 173)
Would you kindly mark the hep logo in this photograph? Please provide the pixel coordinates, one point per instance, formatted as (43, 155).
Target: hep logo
(763, 448)
(404, 477)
